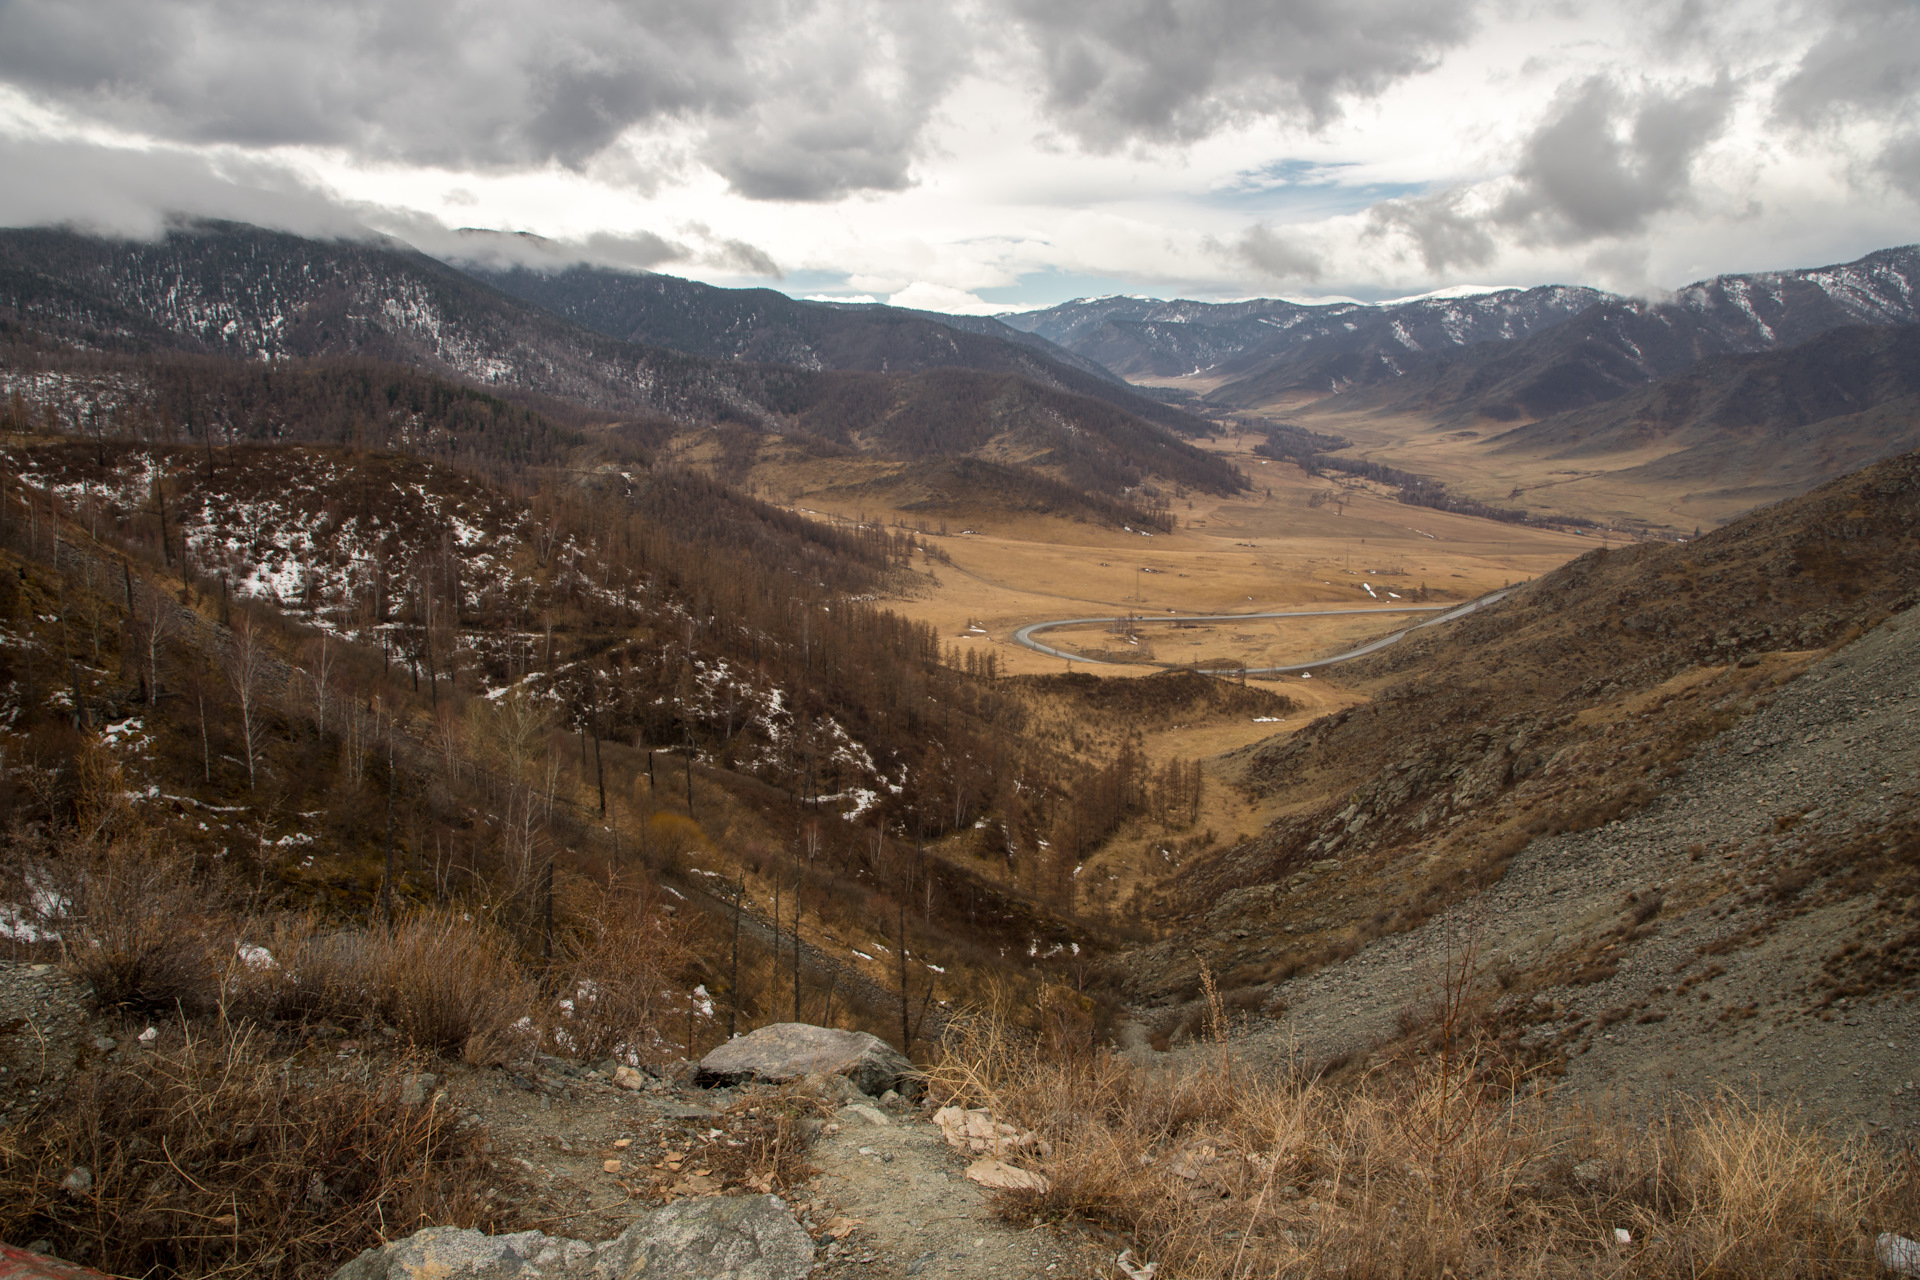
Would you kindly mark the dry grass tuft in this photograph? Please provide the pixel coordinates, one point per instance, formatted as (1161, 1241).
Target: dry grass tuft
(213, 1154)
(448, 984)
(1216, 1171)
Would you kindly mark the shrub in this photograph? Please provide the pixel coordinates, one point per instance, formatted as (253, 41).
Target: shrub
(216, 1155)
(447, 982)
(1210, 1170)
(616, 977)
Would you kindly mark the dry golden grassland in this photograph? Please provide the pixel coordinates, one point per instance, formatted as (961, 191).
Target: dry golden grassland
(1291, 542)
(1455, 1163)
(1464, 459)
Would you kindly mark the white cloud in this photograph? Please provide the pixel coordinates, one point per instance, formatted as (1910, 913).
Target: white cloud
(923, 295)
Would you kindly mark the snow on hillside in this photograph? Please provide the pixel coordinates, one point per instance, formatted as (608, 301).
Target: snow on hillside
(439, 572)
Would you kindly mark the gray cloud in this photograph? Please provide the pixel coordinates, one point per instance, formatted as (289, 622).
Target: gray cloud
(1273, 255)
(503, 83)
(1443, 233)
(1120, 71)
(1900, 162)
(786, 99)
(120, 191)
(636, 251)
(1868, 62)
(1605, 160)
(1866, 67)
(124, 191)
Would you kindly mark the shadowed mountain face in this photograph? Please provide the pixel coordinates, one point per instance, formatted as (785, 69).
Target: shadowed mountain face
(766, 326)
(1772, 423)
(232, 290)
(225, 290)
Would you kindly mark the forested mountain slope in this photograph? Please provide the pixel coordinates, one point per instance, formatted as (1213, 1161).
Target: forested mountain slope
(767, 327)
(245, 294)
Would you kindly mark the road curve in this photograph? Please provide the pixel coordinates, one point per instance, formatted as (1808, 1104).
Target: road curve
(1025, 635)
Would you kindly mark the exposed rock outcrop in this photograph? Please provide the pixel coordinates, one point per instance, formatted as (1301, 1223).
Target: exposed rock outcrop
(714, 1238)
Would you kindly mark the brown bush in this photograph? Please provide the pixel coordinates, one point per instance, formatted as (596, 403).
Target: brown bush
(616, 977)
(215, 1154)
(447, 982)
(142, 923)
(1214, 1171)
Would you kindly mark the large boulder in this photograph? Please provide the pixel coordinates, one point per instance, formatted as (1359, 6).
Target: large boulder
(789, 1050)
(715, 1238)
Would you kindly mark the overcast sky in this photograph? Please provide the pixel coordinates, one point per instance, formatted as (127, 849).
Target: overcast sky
(998, 154)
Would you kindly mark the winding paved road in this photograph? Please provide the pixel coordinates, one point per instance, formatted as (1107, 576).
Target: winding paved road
(1025, 635)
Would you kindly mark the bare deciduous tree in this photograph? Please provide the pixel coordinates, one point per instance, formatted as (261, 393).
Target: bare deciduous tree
(246, 672)
(320, 664)
(152, 626)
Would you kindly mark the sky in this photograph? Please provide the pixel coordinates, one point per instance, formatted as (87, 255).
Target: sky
(993, 155)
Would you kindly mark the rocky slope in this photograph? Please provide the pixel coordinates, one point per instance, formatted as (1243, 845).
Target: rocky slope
(1755, 928)
(1511, 757)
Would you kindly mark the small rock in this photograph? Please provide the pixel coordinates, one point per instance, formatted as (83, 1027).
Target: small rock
(610, 1166)
(1622, 1236)
(105, 1044)
(834, 1089)
(715, 1238)
(148, 1036)
(1898, 1254)
(1590, 1174)
(79, 1180)
(628, 1078)
(1001, 1176)
(863, 1113)
(418, 1088)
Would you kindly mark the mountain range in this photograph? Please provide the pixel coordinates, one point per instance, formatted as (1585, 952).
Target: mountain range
(1502, 356)
(1770, 423)
(1751, 385)
(240, 292)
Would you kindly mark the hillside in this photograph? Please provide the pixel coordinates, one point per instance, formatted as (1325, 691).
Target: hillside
(765, 327)
(1765, 425)
(246, 295)
(1627, 688)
